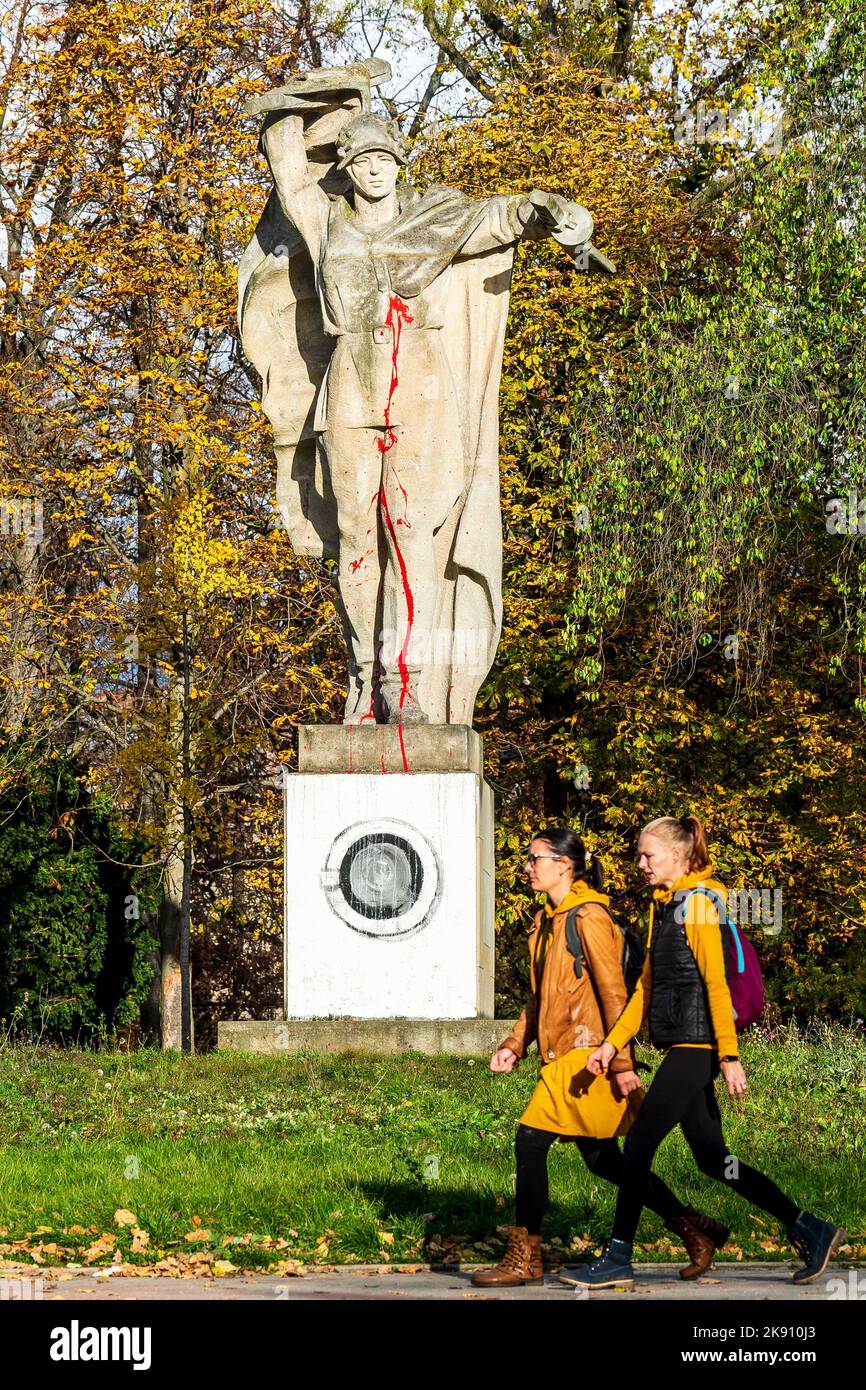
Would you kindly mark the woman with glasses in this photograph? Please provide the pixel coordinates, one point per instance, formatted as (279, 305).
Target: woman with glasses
(567, 1014)
(684, 993)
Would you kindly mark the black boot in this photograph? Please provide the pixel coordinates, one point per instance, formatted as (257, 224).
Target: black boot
(814, 1241)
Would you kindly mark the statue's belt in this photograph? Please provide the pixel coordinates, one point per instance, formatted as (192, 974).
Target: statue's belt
(384, 333)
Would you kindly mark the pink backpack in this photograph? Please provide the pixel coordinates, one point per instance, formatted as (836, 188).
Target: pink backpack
(741, 967)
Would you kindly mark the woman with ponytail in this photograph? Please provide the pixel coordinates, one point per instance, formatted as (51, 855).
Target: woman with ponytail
(684, 993)
(567, 1014)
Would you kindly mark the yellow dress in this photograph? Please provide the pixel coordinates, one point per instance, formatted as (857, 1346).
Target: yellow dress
(569, 1100)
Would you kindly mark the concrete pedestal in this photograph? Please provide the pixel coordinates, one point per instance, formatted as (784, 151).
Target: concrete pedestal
(389, 892)
(462, 1037)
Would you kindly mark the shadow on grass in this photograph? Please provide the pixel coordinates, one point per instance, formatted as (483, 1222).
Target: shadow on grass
(457, 1217)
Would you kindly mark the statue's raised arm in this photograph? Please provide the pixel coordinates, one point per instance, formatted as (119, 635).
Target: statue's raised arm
(376, 318)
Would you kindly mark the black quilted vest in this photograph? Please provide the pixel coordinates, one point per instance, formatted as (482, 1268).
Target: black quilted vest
(679, 1010)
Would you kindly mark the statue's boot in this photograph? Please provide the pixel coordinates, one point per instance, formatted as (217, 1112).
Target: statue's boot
(401, 698)
(359, 701)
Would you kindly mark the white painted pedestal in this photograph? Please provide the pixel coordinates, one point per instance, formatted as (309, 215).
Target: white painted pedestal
(389, 876)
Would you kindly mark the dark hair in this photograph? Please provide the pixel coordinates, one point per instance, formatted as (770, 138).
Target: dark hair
(684, 830)
(565, 842)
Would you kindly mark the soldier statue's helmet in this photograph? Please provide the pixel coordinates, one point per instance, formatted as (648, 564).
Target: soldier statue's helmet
(365, 133)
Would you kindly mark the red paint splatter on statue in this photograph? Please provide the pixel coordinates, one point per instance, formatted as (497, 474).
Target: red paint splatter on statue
(404, 519)
(410, 614)
(398, 314)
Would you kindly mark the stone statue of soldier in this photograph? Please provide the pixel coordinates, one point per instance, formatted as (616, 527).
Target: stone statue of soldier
(412, 293)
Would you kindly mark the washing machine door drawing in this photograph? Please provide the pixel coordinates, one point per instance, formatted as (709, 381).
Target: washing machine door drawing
(382, 878)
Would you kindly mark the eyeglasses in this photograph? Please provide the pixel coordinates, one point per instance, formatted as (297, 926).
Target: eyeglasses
(531, 858)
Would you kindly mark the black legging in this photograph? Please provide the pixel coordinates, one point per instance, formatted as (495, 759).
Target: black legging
(682, 1094)
(601, 1156)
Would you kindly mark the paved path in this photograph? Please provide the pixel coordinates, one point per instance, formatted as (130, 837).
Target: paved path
(761, 1282)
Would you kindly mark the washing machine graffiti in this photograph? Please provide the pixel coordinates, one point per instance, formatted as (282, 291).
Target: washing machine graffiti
(388, 896)
(382, 878)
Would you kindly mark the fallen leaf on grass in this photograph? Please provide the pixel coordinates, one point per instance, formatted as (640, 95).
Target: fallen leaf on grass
(122, 1217)
(104, 1246)
(197, 1235)
(387, 1237)
(75, 1231)
(140, 1240)
(221, 1267)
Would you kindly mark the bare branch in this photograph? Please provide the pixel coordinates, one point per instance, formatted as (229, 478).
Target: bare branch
(626, 14)
(498, 26)
(433, 85)
(455, 57)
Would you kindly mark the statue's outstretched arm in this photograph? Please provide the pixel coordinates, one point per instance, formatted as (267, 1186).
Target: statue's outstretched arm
(534, 217)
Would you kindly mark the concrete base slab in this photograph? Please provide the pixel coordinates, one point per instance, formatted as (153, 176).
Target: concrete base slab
(460, 1037)
(389, 748)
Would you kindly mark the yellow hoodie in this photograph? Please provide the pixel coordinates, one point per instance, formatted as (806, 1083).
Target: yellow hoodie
(705, 939)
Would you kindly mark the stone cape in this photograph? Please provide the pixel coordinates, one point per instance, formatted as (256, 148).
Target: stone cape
(285, 339)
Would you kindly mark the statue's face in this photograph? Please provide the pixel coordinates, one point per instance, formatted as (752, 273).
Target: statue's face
(373, 173)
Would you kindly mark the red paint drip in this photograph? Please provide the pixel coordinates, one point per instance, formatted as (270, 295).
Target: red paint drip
(403, 748)
(404, 519)
(398, 314)
(410, 606)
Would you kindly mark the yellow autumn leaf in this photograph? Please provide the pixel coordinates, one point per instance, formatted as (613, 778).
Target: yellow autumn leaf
(122, 1217)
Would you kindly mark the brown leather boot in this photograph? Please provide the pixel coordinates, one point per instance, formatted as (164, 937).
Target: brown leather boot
(701, 1236)
(521, 1263)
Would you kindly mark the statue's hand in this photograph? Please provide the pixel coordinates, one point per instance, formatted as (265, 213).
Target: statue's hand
(549, 214)
(550, 208)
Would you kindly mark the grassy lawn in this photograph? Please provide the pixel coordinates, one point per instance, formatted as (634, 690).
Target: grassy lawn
(262, 1161)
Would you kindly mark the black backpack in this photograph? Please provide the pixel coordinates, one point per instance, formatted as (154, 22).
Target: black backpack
(633, 951)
